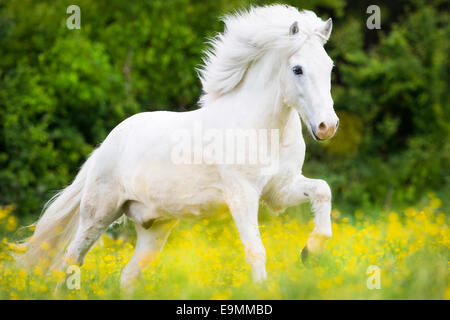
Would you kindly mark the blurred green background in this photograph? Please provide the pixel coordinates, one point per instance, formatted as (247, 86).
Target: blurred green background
(62, 91)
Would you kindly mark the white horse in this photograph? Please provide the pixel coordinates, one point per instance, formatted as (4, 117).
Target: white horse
(266, 70)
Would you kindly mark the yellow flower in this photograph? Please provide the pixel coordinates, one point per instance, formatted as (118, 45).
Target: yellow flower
(393, 217)
(12, 223)
(373, 258)
(435, 203)
(224, 295)
(335, 214)
(45, 245)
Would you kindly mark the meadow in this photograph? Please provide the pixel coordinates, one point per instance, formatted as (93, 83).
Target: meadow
(205, 260)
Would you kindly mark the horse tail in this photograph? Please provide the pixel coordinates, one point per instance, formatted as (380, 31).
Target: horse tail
(56, 227)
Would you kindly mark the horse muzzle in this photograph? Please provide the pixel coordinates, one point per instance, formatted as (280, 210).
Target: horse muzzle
(325, 129)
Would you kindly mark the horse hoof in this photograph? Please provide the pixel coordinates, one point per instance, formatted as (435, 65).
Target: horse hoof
(304, 254)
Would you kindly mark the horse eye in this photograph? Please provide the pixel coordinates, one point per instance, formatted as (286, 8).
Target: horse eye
(297, 70)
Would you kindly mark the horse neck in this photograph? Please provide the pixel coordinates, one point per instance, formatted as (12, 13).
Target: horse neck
(257, 102)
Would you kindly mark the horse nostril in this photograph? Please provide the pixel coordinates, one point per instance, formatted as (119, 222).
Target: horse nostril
(322, 126)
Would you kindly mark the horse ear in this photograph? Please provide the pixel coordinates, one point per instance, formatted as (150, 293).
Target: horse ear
(325, 30)
(293, 29)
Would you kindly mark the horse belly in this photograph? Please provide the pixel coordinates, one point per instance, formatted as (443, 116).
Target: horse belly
(181, 191)
(192, 202)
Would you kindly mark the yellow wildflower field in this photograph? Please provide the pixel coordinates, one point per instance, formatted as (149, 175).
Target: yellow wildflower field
(396, 255)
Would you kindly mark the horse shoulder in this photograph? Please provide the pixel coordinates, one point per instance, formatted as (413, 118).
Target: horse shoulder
(292, 155)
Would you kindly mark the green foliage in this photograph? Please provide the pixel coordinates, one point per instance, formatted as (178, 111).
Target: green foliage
(62, 91)
(397, 91)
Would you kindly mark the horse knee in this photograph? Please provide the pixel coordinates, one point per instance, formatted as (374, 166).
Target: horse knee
(255, 255)
(322, 192)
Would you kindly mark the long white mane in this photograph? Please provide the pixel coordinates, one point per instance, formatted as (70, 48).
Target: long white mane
(247, 36)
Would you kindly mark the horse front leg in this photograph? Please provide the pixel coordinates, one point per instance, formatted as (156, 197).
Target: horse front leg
(243, 203)
(319, 194)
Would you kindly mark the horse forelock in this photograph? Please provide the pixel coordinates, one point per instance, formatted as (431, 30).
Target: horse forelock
(248, 35)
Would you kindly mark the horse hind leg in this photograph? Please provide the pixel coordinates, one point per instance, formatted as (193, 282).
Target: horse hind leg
(98, 209)
(149, 243)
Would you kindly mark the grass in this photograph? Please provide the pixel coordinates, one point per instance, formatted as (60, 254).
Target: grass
(205, 260)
